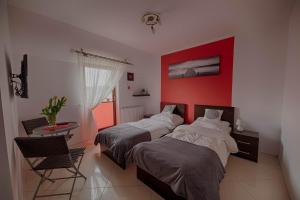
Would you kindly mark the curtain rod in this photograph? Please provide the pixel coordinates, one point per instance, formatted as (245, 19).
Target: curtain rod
(84, 53)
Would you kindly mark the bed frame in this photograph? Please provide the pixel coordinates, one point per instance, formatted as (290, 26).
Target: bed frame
(109, 154)
(179, 110)
(163, 189)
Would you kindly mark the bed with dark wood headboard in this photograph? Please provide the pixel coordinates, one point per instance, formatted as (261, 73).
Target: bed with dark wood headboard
(164, 189)
(121, 132)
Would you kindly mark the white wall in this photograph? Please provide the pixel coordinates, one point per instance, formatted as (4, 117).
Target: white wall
(259, 57)
(290, 138)
(5, 181)
(10, 172)
(53, 70)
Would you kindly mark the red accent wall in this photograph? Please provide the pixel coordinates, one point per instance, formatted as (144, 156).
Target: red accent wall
(210, 90)
(104, 115)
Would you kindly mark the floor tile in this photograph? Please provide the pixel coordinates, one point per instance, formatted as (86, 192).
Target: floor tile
(86, 194)
(233, 190)
(267, 189)
(127, 193)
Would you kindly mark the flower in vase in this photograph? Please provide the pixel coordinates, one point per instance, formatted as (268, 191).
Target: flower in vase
(52, 109)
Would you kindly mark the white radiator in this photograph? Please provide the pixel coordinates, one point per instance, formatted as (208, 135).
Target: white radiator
(131, 113)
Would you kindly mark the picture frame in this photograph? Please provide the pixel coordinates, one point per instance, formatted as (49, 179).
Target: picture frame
(194, 68)
(130, 76)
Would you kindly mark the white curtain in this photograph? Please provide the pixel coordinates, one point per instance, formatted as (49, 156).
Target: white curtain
(99, 77)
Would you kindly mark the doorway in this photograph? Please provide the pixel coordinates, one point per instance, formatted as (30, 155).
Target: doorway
(105, 113)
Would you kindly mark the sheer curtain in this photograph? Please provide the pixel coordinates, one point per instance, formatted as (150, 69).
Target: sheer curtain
(99, 77)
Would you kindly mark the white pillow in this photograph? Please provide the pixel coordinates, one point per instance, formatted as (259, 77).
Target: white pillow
(213, 114)
(177, 120)
(217, 122)
(169, 108)
(172, 120)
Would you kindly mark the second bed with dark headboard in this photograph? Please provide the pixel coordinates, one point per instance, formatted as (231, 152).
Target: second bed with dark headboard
(188, 172)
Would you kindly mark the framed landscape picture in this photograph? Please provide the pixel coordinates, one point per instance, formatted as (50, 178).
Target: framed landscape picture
(192, 68)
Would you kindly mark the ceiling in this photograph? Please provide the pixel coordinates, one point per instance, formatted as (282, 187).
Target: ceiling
(185, 23)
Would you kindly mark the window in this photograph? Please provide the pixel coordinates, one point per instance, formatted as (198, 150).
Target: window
(103, 114)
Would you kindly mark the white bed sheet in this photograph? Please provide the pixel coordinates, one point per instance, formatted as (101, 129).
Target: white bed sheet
(156, 128)
(158, 125)
(218, 140)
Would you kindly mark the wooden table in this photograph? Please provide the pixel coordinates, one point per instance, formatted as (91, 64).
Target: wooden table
(60, 129)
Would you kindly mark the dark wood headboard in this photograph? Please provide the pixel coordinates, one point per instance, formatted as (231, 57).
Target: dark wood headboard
(228, 112)
(179, 110)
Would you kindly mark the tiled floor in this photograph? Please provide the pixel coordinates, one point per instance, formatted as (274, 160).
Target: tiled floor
(244, 180)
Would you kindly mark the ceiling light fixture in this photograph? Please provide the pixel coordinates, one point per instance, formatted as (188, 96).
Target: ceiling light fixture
(151, 19)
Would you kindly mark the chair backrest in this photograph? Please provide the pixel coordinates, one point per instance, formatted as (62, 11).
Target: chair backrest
(32, 147)
(29, 125)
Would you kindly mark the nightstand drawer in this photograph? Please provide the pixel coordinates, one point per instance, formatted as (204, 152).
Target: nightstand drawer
(246, 146)
(245, 139)
(247, 143)
(247, 155)
(248, 150)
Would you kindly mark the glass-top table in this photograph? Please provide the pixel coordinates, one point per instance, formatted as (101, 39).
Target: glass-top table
(63, 128)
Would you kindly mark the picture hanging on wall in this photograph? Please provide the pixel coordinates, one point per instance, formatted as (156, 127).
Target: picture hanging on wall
(192, 68)
(130, 76)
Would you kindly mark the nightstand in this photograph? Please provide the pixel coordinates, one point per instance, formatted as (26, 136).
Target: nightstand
(247, 142)
(147, 115)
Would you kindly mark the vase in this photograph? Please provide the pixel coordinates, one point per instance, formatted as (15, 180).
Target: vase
(52, 120)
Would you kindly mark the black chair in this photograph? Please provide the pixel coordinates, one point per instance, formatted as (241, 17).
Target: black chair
(55, 154)
(31, 124)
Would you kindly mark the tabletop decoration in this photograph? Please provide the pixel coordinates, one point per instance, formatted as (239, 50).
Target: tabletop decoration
(52, 109)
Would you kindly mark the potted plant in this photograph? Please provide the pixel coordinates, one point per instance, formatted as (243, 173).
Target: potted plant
(52, 109)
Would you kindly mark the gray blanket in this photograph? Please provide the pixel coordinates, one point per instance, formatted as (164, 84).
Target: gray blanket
(193, 172)
(121, 138)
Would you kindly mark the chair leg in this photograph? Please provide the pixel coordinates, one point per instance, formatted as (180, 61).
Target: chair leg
(40, 183)
(49, 175)
(83, 176)
(42, 180)
(44, 177)
(76, 172)
(73, 184)
(77, 169)
(73, 172)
